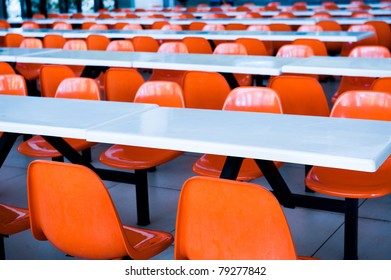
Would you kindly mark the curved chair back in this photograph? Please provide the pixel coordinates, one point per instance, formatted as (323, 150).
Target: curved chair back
(75, 44)
(132, 26)
(162, 93)
(13, 84)
(382, 84)
(121, 84)
(97, 42)
(120, 45)
(294, 50)
(62, 26)
(5, 68)
(54, 41)
(197, 45)
(252, 227)
(51, 76)
(31, 43)
(79, 88)
(13, 40)
(317, 46)
(145, 44)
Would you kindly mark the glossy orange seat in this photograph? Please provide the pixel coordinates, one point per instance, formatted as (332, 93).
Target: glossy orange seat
(97, 42)
(170, 75)
(97, 26)
(263, 27)
(51, 76)
(62, 26)
(371, 41)
(13, 220)
(30, 71)
(253, 46)
(72, 209)
(251, 99)
(5, 68)
(13, 40)
(145, 44)
(176, 27)
(205, 90)
(317, 46)
(196, 25)
(54, 41)
(381, 84)
(76, 44)
(120, 45)
(80, 88)
(300, 95)
(197, 45)
(360, 83)
(221, 219)
(30, 25)
(331, 25)
(279, 27)
(310, 28)
(132, 26)
(355, 185)
(122, 84)
(383, 32)
(235, 49)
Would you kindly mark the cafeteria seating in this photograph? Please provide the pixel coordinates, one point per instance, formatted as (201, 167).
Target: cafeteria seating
(355, 185)
(197, 45)
(97, 42)
(53, 41)
(145, 44)
(122, 84)
(76, 44)
(51, 76)
(100, 232)
(220, 220)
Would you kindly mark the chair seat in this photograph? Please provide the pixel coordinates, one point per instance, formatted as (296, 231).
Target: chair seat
(40, 148)
(350, 184)
(28, 70)
(211, 166)
(13, 219)
(130, 157)
(148, 242)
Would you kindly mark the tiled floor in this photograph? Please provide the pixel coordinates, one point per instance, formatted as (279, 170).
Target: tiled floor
(316, 233)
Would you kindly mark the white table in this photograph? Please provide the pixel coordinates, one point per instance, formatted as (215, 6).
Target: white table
(340, 66)
(325, 36)
(10, 54)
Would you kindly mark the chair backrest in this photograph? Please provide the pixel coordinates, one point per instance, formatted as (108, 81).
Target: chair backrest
(121, 84)
(120, 45)
(97, 42)
(331, 25)
(300, 95)
(363, 104)
(253, 99)
(383, 32)
(51, 76)
(173, 47)
(53, 41)
(13, 40)
(197, 45)
(97, 26)
(253, 46)
(235, 26)
(205, 90)
(317, 46)
(145, 44)
(162, 93)
(310, 28)
(230, 48)
(62, 26)
(13, 84)
(75, 44)
(61, 199)
(294, 50)
(132, 26)
(5, 68)
(176, 27)
(370, 51)
(230, 220)
(29, 25)
(213, 27)
(258, 27)
(31, 43)
(196, 25)
(382, 84)
(80, 88)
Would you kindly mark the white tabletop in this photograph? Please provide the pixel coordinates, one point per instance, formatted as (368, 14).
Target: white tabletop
(343, 66)
(350, 20)
(326, 36)
(322, 141)
(60, 117)
(10, 54)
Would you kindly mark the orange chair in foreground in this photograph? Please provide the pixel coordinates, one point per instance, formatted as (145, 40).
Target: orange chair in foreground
(72, 209)
(51, 76)
(355, 185)
(122, 84)
(249, 99)
(221, 219)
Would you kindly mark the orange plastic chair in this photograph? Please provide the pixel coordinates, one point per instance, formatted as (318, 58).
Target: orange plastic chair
(317, 46)
(51, 76)
(175, 27)
(221, 219)
(205, 90)
(62, 26)
(279, 27)
(98, 27)
(72, 209)
(321, 14)
(355, 185)
(263, 27)
(197, 45)
(300, 95)
(235, 26)
(235, 49)
(310, 28)
(87, 24)
(159, 24)
(76, 44)
(122, 84)
(251, 99)
(30, 25)
(54, 41)
(383, 32)
(13, 40)
(145, 44)
(295, 50)
(196, 25)
(79, 88)
(120, 45)
(360, 83)
(132, 26)
(97, 42)
(253, 46)
(30, 71)
(382, 84)
(170, 75)
(13, 220)
(348, 46)
(5, 68)
(331, 25)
